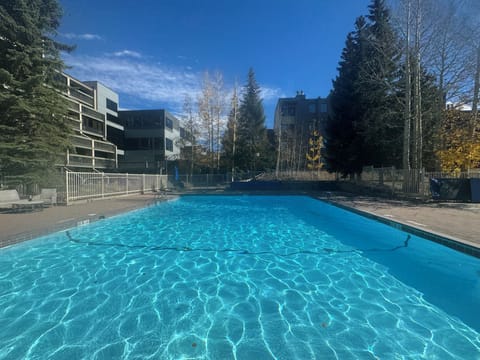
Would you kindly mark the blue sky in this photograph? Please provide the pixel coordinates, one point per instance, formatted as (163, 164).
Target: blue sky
(153, 52)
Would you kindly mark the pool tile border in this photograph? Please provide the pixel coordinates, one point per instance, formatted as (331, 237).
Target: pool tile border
(69, 224)
(438, 238)
(65, 225)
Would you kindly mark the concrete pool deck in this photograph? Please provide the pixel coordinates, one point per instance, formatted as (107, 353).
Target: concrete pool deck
(457, 221)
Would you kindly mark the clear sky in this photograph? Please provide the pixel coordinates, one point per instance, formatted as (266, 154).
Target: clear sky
(152, 52)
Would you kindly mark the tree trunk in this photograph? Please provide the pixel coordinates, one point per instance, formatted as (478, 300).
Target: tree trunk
(417, 92)
(476, 90)
(279, 149)
(408, 97)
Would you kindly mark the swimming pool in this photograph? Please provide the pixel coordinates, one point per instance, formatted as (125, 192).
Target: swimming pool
(238, 277)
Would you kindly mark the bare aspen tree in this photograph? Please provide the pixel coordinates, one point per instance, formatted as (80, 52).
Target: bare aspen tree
(192, 129)
(417, 90)
(218, 112)
(211, 107)
(234, 135)
(279, 148)
(476, 90)
(408, 93)
(473, 29)
(448, 58)
(417, 34)
(205, 112)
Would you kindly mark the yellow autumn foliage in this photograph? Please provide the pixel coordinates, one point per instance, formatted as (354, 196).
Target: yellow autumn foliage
(314, 151)
(460, 151)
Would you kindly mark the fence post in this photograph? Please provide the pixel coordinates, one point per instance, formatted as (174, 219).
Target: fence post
(103, 185)
(126, 184)
(66, 187)
(395, 178)
(422, 182)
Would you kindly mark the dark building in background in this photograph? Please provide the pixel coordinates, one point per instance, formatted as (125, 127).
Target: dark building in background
(295, 121)
(152, 138)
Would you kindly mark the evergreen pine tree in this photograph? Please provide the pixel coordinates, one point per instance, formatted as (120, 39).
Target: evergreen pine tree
(382, 124)
(32, 111)
(343, 139)
(252, 134)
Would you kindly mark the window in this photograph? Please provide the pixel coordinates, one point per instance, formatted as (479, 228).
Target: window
(113, 118)
(288, 109)
(323, 107)
(154, 144)
(112, 105)
(169, 123)
(168, 144)
(92, 125)
(312, 109)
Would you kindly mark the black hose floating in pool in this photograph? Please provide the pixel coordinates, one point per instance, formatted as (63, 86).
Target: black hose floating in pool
(238, 251)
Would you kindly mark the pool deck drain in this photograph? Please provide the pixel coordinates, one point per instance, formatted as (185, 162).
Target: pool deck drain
(457, 222)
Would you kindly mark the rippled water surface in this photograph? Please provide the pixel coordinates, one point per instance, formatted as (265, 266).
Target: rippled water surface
(238, 277)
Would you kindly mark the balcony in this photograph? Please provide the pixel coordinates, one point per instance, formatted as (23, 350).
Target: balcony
(82, 96)
(93, 114)
(105, 146)
(102, 163)
(82, 141)
(74, 106)
(74, 124)
(93, 126)
(75, 160)
(80, 161)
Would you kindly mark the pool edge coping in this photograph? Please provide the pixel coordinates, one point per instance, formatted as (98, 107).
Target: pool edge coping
(457, 244)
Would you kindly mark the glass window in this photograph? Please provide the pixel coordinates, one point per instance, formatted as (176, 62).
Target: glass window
(323, 107)
(168, 144)
(112, 118)
(169, 123)
(288, 109)
(312, 108)
(112, 105)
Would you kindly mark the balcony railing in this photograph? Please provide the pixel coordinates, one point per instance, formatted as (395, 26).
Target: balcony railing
(79, 95)
(75, 124)
(98, 131)
(72, 105)
(106, 147)
(83, 142)
(80, 161)
(102, 163)
(94, 114)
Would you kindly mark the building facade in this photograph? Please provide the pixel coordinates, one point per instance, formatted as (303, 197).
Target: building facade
(152, 139)
(87, 116)
(107, 103)
(295, 122)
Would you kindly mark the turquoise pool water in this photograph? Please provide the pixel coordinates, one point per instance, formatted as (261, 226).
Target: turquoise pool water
(238, 277)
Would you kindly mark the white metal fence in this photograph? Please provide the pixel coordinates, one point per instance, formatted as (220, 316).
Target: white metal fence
(96, 185)
(88, 185)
